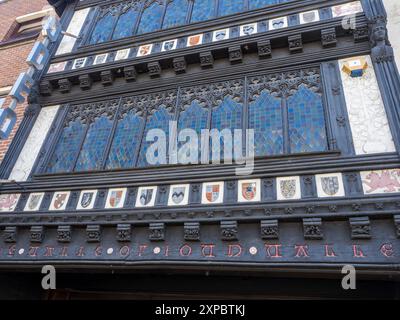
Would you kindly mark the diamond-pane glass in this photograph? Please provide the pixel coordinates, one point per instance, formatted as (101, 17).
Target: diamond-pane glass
(265, 117)
(228, 115)
(159, 120)
(230, 7)
(92, 153)
(203, 10)
(176, 13)
(126, 140)
(255, 4)
(67, 148)
(307, 130)
(151, 18)
(125, 24)
(196, 118)
(103, 29)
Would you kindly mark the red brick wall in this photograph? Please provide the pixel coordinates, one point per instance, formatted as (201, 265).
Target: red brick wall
(12, 57)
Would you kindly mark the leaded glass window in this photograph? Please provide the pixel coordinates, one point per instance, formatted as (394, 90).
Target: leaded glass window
(255, 4)
(230, 7)
(265, 117)
(126, 24)
(103, 28)
(203, 10)
(151, 17)
(176, 13)
(126, 140)
(67, 147)
(158, 120)
(307, 130)
(285, 110)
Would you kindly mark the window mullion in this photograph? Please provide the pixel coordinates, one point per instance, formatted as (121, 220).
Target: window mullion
(142, 137)
(190, 11)
(245, 117)
(115, 24)
(166, 3)
(89, 122)
(140, 13)
(285, 119)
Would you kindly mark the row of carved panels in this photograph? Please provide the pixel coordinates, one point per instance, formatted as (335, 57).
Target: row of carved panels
(108, 73)
(330, 185)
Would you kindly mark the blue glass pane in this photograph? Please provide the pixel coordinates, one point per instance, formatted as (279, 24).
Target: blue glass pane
(230, 7)
(195, 117)
(176, 13)
(159, 120)
(228, 115)
(265, 117)
(307, 131)
(125, 142)
(125, 24)
(151, 18)
(103, 29)
(203, 10)
(91, 156)
(255, 4)
(67, 148)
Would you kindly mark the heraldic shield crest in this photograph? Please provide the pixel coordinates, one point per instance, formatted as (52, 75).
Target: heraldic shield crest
(212, 192)
(115, 198)
(60, 200)
(34, 201)
(146, 196)
(330, 185)
(288, 188)
(249, 190)
(178, 194)
(86, 200)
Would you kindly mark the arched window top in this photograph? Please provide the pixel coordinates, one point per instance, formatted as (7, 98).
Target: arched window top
(103, 29)
(126, 24)
(176, 13)
(151, 17)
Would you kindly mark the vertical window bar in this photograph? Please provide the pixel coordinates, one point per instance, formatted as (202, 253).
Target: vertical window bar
(245, 116)
(139, 18)
(89, 122)
(190, 10)
(285, 120)
(165, 3)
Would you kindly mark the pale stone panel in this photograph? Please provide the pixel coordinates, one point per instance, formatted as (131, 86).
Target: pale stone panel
(368, 121)
(33, 144)
(74, 28)
(393, 11)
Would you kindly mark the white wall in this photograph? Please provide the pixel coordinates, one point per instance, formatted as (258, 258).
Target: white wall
(393, 12)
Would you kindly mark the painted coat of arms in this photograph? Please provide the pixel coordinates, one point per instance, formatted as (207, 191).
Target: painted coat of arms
(213, 192)
(8, 202)
(146, 196)
(194, 40)
(178, 194)
(330, 185)
(34, 201)
(87, 199)
(60, 200)
(385, 181)
(309, 16)
(248, 30)
(288, 188)
(249, 190)
(169, 45)
(115, 198)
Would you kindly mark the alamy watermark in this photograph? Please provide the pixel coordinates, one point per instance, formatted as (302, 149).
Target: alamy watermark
(186, 146)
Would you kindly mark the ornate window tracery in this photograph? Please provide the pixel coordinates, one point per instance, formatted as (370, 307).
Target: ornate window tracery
(285, 110)
(135, 17)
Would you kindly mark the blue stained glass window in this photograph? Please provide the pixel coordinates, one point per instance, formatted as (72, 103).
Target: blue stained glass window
(255, 4)
(159, 120)
(92, 153)
(103, 29)
(195, 117)
(265, 117)
(67, 148)
(228, 115)
(307, 130)
(230, 7)
(125, 24)
(203, 10)
(151, 18)
(126, 140)
(176, 13)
